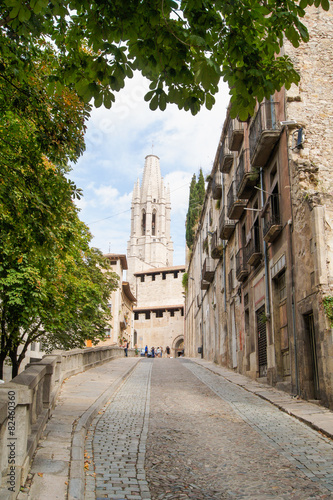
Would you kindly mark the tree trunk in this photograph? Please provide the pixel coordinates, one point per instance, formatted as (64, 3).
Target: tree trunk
(2, 360)
(15, 362)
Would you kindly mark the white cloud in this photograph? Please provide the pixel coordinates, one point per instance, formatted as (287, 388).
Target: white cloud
(118, 140)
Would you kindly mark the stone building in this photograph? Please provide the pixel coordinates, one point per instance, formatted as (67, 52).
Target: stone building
(261, 266)
(155, 282)
(121, 304)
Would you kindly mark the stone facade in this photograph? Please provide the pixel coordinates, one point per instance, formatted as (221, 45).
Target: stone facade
(156, 284)
(150, 243)
(121, 304)
(262, 259)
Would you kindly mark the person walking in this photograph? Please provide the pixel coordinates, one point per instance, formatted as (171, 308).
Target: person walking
(153, 352)
(126, 349)
(146, 351)
(168, 351)
(158, 352)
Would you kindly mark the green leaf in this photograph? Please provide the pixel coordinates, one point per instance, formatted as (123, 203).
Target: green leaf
(153, 105)
(325, 4)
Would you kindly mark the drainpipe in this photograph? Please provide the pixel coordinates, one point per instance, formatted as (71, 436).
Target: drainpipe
(293, 312)
(224, 278)
(267, 303)
(202, 315)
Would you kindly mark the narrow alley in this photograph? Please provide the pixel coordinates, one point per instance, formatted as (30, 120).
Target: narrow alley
(174, 429)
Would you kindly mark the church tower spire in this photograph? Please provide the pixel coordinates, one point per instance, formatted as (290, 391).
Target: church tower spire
(150, 242)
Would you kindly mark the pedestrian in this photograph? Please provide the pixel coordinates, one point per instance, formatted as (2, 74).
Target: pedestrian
(153, 352)
(146, 351)
(161, 351)
(126, 349)
(168, 351)
(158, 352)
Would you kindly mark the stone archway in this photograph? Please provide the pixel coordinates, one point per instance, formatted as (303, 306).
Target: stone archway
(178, 346)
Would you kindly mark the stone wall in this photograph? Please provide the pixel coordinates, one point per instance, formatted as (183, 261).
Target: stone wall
(26, 404)
(163, 290)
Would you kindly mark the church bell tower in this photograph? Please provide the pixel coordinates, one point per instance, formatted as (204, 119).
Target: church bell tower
(150, 244)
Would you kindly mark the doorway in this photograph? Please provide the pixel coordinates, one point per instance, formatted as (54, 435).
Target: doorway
(262, 341)
(311, 356)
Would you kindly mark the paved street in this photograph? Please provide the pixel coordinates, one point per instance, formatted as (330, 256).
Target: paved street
(176, 430)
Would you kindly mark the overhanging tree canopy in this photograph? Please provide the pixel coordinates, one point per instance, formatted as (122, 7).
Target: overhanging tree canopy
(183, 47)
(53, 287)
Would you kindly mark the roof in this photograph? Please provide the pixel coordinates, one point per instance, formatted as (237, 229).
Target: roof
(158, 308)
(127, 291)
(118, 256)
(156, 270)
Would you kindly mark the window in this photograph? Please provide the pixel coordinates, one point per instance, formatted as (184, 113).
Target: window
(172, 313)
(153, 223)
(163, 276)
(159, 314)
(136, 316)
(142, 278)
(143, 223)
(147, 314)
(282, 289)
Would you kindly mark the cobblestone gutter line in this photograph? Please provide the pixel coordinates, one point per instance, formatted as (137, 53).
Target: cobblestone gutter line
(308, 450)
(76, 473)
(116, 442)
(316, 416)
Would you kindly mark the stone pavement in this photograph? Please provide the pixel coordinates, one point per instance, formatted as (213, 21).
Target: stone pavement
(57, 469)
(318, 417)
(209, 436)
(116, 442)
(208, 439)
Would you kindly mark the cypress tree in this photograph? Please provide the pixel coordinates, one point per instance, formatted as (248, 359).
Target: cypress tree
(196, 200)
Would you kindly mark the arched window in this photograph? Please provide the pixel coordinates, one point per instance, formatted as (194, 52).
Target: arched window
(153, 223)
(143, 223)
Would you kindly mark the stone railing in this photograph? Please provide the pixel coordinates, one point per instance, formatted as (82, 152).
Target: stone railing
(26, 404)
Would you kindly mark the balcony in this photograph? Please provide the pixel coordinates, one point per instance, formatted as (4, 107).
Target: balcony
(204, 285)
(272, 228)
(242, 268)
(253, 252)
(215, 248)
(264, 133)
(226, 157)
(217, 186)
(246, 177)
(226, 226)
(235, 205)
(235, 134)
(208, 270)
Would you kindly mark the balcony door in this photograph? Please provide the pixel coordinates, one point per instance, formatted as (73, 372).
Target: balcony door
(262, 342)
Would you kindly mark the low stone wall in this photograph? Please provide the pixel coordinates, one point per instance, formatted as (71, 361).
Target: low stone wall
(26, 404)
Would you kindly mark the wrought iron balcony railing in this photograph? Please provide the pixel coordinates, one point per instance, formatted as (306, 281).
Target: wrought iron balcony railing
(235, 205)
(226, 157)
(226, 225)
(264, 133)
(246, 177)
(242, 268)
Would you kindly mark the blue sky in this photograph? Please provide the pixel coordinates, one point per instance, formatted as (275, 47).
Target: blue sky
(117, 142)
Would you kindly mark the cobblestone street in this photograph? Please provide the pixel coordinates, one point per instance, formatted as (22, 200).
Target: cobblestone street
(176, 430)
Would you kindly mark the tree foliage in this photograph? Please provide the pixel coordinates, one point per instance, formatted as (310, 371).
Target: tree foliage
(196, 200)
(53, 287)
(183, 47)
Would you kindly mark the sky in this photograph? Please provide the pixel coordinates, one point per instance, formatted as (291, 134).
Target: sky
(117, 142)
